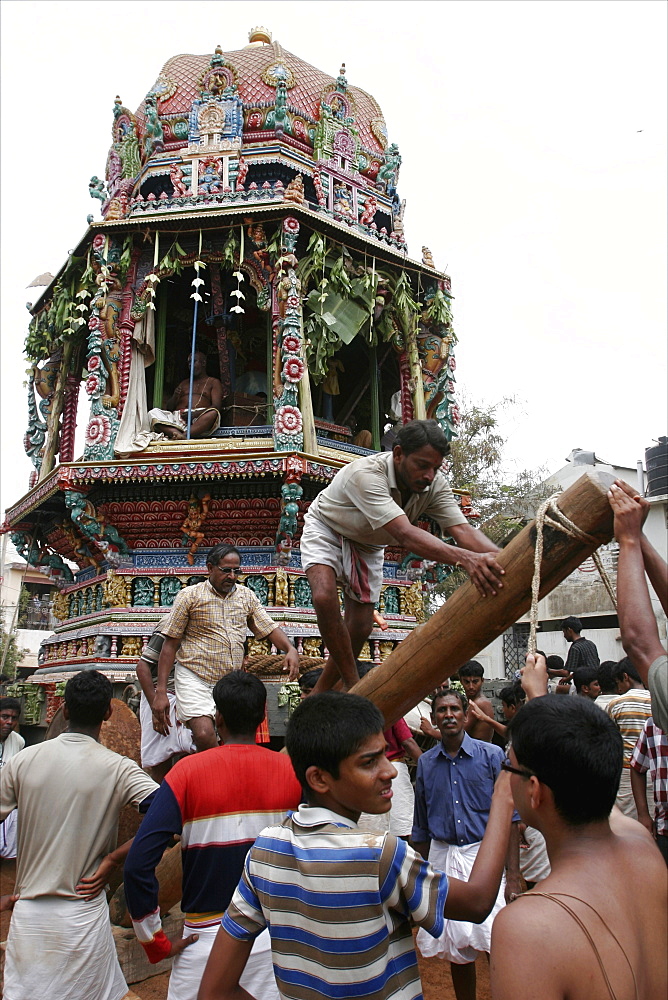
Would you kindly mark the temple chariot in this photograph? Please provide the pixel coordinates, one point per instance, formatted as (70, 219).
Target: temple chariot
(249, 216)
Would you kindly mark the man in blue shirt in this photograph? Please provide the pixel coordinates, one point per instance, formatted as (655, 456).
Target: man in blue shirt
(453, 796)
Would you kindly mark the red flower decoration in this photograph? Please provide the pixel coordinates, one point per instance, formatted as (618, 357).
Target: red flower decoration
(288, 420)
(92, 385)
(290, 225)
(452, 364)
(293, 369)
(292, 302)
(93, 363)
(291, 343)
(98, 430)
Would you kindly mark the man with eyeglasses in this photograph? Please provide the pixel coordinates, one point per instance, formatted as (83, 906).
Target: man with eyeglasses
(595, 927)
(208, 628)
(453, 797)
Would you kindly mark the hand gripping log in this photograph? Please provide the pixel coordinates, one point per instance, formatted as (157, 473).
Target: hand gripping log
(468, 622)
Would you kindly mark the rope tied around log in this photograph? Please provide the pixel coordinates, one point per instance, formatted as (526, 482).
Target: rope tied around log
(548, 513)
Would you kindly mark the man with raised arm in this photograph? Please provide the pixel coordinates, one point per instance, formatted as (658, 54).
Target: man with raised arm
(371, 503)
(596, 928)
(637, 624)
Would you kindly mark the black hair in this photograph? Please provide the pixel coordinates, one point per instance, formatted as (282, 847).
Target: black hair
(364, 667)
(13, 704)
(583, 676)
(554, 662)
(573, 623)
(575, 749)
(219, 552)
(443, 692)
(606, 676)
(541, 652)
(88, 695)
(240, 698)
(326, 728)
(626, 667)
(471, 669)
(512, 694)
(418, 433)
(310, 678)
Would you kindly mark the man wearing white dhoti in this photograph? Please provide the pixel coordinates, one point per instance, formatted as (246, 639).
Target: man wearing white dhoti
(69, 792)
(453, 796)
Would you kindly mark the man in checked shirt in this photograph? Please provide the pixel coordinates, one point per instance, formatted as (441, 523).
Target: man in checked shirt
(208, 628)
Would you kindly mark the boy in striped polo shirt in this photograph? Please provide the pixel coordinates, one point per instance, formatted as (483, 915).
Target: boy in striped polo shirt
(340, 903)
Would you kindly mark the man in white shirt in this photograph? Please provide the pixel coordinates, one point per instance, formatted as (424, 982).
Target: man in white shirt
(371, 503)
(69, 792)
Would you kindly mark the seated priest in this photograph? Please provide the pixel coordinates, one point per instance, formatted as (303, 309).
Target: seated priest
(207, 400)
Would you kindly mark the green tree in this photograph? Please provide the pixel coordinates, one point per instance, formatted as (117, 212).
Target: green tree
(10, 651)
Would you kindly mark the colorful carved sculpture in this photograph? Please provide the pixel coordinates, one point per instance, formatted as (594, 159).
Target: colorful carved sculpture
(97, 189)
(198, 508)
(228, 162)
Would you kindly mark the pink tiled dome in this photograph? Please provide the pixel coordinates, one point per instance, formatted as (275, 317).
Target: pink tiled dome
(180, 78)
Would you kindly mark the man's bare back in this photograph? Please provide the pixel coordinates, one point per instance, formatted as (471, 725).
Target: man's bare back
(616, 885)
(476, 728)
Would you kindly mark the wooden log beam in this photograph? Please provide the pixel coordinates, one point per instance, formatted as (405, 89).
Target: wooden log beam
(468, 622)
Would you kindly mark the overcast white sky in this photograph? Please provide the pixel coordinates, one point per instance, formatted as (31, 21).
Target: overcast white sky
(533, 137)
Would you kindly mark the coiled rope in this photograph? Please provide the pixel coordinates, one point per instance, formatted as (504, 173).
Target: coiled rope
(548, 513)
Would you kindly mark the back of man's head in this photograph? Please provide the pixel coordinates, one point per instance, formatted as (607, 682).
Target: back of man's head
(513, 694)
(626, 667)
(575, 749)
(606, 676)
(418, 433)
(326, 728)
(87, 697)
(471, 669)
(240, 698)
(554, 662)
(572, 623)
(310, 678)
(583, 677)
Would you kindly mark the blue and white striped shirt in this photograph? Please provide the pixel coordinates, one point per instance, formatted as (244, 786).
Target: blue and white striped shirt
(338, 903)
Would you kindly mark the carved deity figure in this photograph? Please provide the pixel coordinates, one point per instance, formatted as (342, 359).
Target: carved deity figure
(102, 647)
(176, 177)
(294, 192)
(312, 647)
(170, 586)
(209, 180)
(142, 592)
(115, 593)
(386, 178)
(154, 135)
(370, 209)
(97, 189)
(197, 512)
(282, 589)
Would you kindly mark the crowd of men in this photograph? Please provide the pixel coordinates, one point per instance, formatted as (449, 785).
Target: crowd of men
(305, 874)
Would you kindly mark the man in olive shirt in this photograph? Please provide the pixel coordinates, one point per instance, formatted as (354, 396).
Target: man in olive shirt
(371, 503)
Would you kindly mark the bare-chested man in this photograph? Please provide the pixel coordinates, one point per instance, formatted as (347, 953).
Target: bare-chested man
(206, 404)
(596, 926)
(471, 676)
